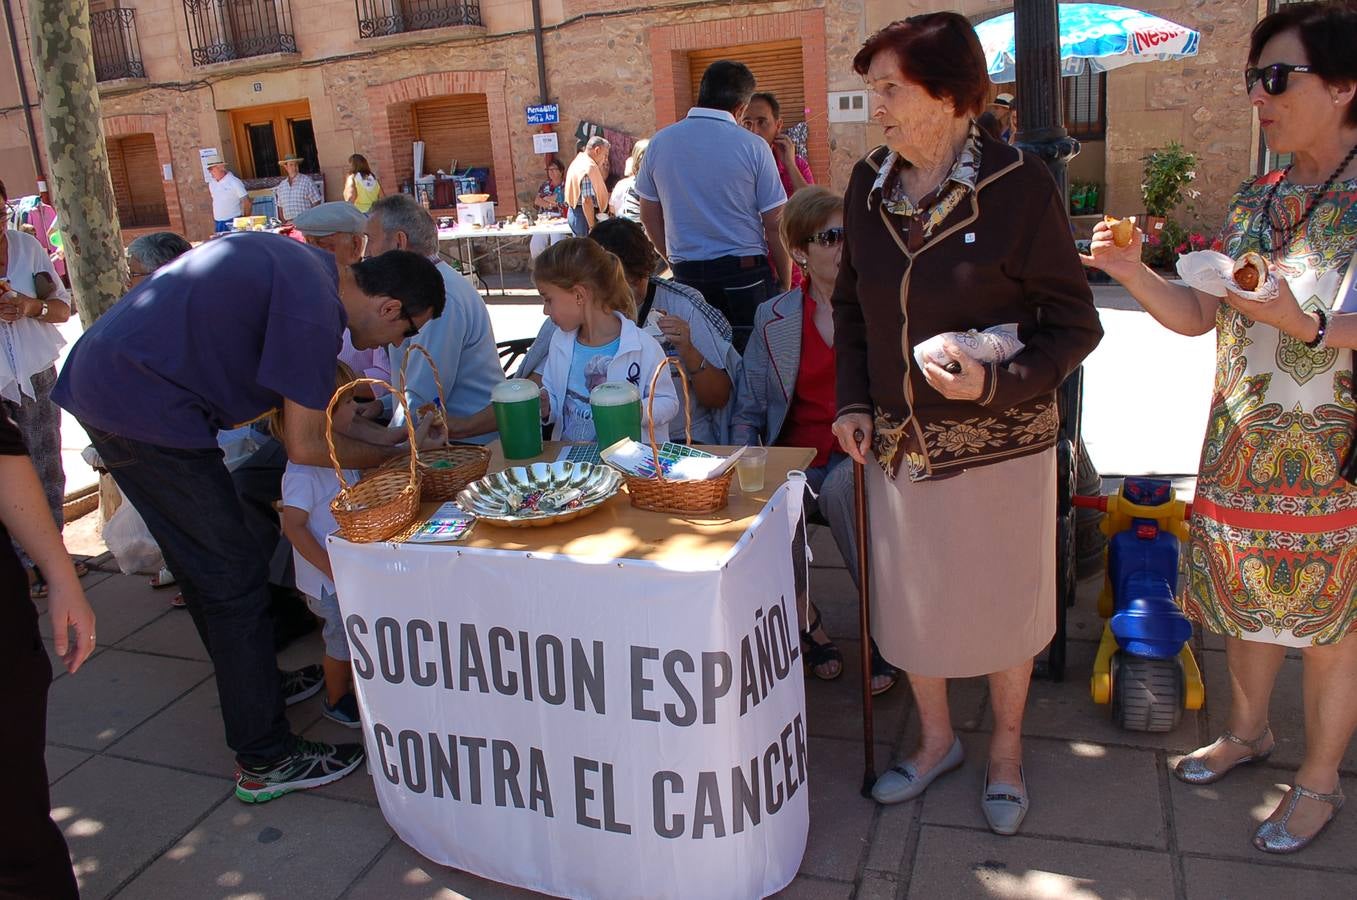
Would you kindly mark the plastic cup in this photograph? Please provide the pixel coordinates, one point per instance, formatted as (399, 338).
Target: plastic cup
(616, 407)
(518, 415)
(750, 467)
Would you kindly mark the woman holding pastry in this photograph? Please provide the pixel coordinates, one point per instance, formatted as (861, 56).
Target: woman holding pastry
(948, 229)
(1272, 560)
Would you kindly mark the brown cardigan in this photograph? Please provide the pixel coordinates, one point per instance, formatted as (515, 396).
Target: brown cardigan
(1005, 254)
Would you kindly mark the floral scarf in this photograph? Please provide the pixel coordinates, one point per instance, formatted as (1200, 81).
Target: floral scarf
(939, 204)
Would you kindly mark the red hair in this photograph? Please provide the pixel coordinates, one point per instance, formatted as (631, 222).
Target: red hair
(940, 53)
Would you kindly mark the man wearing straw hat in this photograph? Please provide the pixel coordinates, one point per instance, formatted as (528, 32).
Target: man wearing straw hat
(296, 193)
(223, 335)
(229, 196)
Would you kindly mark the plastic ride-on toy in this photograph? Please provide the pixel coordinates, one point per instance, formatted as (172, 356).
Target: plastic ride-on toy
(1144, 666)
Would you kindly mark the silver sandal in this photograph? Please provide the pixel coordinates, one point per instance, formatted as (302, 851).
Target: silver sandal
(1276, 837)
(1196, 771)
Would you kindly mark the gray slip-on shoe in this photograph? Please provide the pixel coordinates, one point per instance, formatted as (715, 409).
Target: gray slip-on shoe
(903, 782)
(1004, 805)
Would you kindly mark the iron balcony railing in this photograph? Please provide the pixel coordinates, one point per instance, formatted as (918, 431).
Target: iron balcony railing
(223, 30)
(117, 53)
(377, 18)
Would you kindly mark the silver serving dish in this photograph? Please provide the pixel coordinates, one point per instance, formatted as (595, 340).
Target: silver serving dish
(540, 494)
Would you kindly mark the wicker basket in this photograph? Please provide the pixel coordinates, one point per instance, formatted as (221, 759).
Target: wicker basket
(465, 462)
(382, 503)
(659, 494)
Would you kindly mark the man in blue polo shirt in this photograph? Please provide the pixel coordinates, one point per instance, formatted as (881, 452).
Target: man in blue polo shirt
(244, 324)
(711, 201)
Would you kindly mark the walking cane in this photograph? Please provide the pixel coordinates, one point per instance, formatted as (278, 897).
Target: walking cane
(865, 622)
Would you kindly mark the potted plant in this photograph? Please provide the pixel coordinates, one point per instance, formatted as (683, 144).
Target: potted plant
(1168, 173)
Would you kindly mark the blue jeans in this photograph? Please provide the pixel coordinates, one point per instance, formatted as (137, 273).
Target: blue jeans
(190, 506)
(578, 221)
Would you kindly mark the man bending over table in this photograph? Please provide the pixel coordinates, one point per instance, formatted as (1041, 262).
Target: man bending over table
(242, 325)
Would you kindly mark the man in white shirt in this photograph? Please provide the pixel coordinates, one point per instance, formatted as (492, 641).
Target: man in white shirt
(711, 201)
(229, 197)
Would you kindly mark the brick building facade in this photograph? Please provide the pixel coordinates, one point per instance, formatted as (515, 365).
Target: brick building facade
(256, 79)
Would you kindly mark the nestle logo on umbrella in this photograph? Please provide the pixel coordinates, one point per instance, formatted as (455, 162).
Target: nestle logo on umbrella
(1146, 40)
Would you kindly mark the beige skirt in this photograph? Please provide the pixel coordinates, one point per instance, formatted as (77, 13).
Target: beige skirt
(963, 569)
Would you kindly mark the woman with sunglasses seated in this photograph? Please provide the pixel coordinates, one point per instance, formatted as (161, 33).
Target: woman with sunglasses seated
(1273, 550)
(785, 396)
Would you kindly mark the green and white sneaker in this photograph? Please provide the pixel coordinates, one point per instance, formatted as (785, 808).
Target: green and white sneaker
(310, 765)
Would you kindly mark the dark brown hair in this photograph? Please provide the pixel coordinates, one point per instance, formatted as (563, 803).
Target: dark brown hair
(358, 165)
(767, 97)
(937, 51)
(1327, 31)
(627, 241)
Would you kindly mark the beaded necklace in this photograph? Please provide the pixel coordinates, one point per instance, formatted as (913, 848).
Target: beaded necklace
(1288, 233)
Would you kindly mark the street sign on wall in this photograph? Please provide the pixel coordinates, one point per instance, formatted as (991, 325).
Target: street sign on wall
(545, 114)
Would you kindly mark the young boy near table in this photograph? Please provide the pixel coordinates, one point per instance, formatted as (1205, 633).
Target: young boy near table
(585, 294)
(307, 521)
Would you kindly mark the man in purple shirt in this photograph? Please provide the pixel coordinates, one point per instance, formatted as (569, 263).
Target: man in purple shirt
(242, 325)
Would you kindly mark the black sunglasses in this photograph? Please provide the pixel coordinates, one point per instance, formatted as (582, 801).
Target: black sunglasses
(1273, 77)
(830, 237)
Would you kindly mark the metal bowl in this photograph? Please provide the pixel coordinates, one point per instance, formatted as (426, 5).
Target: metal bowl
(540, 494)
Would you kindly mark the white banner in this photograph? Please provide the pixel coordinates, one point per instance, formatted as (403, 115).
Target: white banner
(587, 728)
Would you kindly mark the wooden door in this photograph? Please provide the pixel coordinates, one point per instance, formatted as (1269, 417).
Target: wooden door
(265, 134)
(454, 129)
(776, 66)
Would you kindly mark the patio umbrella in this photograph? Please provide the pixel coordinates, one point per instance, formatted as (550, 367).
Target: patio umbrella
(1093, 37)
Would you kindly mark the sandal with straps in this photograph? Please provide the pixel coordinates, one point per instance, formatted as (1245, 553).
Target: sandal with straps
(817, 655)
(1276, 837)
(1194, 770)
(883, 670)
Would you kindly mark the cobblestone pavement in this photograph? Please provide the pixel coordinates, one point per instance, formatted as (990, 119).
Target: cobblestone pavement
(140, 785)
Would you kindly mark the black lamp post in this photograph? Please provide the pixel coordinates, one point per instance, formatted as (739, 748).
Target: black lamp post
(1036, 27)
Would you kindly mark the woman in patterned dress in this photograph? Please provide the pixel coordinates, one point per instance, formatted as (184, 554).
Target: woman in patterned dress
(1273, 552)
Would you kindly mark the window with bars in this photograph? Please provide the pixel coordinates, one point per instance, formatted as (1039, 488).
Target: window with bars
(1086, 105)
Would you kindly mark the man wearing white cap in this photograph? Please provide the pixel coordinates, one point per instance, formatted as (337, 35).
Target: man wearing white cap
(229, 197)
(296, 193)
(339, 227)
(1002, 106)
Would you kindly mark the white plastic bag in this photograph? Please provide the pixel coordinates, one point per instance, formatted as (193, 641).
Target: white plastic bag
(1213, 273)
(996, 344)
(130, 541)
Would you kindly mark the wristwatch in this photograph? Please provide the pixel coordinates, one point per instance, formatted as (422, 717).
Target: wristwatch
(42, 314)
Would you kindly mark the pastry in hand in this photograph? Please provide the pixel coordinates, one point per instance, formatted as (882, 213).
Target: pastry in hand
(1122, 230)
(1250, 272)
(435, 409)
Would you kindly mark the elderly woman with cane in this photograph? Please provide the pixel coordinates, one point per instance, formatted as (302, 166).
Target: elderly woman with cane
(1272, 560)
(950, 230)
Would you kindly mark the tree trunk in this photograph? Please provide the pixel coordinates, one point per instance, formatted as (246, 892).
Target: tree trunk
(79, 181)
